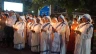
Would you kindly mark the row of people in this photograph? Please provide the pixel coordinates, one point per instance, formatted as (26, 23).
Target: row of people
(44, 35)
(49, 36)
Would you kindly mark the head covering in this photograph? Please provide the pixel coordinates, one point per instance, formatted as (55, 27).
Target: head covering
(22, 17)
(48, 17)
(62, 17)
(54, 19)
(34, 20)
(40, 20)
(88, 17)
(30, 17)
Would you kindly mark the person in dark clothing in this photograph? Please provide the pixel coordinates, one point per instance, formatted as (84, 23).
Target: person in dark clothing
(9, 31)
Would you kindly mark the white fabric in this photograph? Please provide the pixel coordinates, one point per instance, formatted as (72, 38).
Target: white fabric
(87, 16)
(29, 33)
(54, 24)
(61, 16)
(41, 22)
(48, 17)
(22, 17)
(83, 41)
(35, 41)
(19, 35)
(29, 24)
(45, 38)
(64, 31)
(56, 43)
(11, 20)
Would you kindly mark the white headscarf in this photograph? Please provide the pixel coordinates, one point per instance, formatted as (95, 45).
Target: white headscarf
(34, 20)
(62, 17)
(55, 19)
(48, 17)
(87, 16)
(22, 17)
(30, 17)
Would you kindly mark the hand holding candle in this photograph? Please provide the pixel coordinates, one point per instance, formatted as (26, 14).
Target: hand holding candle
(78, 32)
(14, 28)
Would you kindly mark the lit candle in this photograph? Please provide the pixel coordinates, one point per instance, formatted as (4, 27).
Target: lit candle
(0, 19)
(13, 26)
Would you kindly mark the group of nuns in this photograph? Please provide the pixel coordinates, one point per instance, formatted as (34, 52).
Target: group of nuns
(50, 35)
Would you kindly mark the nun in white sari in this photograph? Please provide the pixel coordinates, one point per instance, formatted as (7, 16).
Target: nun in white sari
(64, 32)
(29, 32)
(83, 36)
(25, 29)
(55, 38)
(35, 40)
(29, 23)
(19, 41)
(45, 36)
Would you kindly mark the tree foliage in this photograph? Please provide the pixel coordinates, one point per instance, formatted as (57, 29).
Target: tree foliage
(70, 5)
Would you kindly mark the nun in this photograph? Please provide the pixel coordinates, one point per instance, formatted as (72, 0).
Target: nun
(29, 33)
(55, 38)
(45, 36)
(19, 42)
(83, 36)
(35, 40)
(64, 32)
(25, 29)
(41, 22)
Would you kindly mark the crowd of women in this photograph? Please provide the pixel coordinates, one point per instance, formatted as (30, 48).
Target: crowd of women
(47, 35)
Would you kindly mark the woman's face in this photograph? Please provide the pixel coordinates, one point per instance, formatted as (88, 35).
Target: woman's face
(74, 21)
(5, 17)
(46, 20)
(43, 20)
(54, 20)
(84, 20)
(20, 19)
(60, 20)
(32, 21)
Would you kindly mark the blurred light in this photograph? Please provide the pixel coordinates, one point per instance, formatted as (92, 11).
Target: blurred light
(32, 11)
(75, 9)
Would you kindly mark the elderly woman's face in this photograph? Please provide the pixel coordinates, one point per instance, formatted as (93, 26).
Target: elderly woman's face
(43, 20)
(11, 13)
(46, 20)
(60, 20)
(20, 19)
(54, 20)
(84, 19)
(32, 21)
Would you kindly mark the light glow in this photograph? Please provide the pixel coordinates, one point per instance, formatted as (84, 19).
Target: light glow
(18, 7)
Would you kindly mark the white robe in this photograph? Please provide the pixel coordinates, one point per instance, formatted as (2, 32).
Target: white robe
(63, 32)
(55, 44)
(25, 32)
(29, 33)
(19, 41)
(45, 38)
(83, 41)
(35, 40)
(28, 27)
(54, 24)
(55, 40)
(11, 20)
